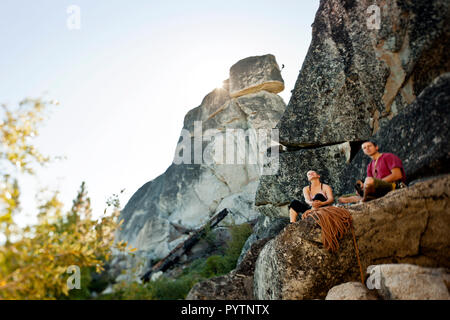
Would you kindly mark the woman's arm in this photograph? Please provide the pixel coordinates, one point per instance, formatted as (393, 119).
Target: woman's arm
(330, 198)
(307, 196)
(329, 193)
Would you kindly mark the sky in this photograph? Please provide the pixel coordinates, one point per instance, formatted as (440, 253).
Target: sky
(125, 73)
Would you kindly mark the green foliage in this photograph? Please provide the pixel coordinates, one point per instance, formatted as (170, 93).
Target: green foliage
(170, 289)
(209, 236)
(35, 267)
(215, 265)
(239, 235)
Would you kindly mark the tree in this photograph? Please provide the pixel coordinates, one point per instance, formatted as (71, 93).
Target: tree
(17, 153)
(34, 261)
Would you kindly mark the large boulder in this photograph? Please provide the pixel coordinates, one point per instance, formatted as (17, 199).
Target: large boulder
(409, 282)
(410, 225)
(254, 74)
(350, 291)
(357, 74)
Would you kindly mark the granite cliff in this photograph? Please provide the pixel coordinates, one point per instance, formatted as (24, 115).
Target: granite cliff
(203, 179)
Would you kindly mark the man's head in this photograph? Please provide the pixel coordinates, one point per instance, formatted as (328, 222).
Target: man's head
(311, 174)
(369, 148)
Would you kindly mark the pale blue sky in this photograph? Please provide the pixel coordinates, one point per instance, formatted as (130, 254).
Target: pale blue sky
(126, 79)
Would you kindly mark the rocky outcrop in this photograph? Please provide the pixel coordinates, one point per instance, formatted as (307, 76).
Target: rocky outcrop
(358, 74)
(409, 282)
(350, 291)
(265, 228)
(409, 225)
(203, 179)
(396, 282)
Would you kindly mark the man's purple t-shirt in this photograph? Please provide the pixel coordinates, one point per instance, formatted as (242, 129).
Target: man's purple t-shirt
(386, 162)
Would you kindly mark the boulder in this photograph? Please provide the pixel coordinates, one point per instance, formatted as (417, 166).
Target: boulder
(254, 74)
(410, 225)
(350, 291)
(266, 228)
(227, 287)
(357, 74)
(409, 282)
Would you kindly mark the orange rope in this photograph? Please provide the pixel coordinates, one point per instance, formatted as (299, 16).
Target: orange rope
(335, 223)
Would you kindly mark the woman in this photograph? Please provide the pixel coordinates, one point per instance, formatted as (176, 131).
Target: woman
(316, 195)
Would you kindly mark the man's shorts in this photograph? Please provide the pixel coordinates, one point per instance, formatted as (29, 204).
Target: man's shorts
(382, 187)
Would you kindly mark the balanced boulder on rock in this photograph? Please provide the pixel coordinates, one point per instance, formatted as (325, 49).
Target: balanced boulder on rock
(254, 74)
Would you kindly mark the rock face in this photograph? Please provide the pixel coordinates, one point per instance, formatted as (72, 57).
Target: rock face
(203, 179)
(409, 282)
(358, 74)
(253, 74)
(409, 225)
(350, 291)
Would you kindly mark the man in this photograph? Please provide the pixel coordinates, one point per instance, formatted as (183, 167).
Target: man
(384, 173)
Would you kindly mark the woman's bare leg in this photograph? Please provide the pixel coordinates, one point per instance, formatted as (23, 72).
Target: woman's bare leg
(293, 215)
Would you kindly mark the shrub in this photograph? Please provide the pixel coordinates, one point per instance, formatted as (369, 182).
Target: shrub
(171, 289)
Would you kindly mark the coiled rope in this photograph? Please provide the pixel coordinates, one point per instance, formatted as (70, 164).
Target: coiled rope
(335, 223)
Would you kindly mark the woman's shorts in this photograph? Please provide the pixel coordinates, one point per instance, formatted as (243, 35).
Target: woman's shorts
(298, 206)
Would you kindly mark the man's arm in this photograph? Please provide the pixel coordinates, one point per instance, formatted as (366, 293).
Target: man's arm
(394, 164)
(396, 174)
